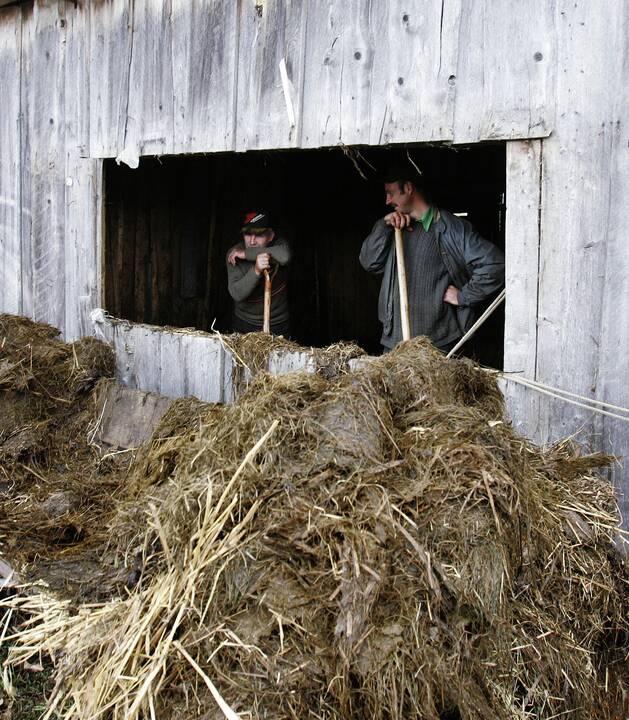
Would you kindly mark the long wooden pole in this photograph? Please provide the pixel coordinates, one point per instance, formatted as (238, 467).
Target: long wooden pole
(266, 324)
(479, 322)
(401, 281)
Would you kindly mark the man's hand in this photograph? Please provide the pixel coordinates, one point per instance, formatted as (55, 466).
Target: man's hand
(263, 262)
(452, 295)
(236, 254)
(398, 219)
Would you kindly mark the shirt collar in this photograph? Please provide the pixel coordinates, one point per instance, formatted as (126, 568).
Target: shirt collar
(427, 218)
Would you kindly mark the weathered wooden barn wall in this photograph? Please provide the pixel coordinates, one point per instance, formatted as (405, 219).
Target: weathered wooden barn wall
(81, 81)
(10, 161)
(121, 78)
(202, 75)
(568, 250)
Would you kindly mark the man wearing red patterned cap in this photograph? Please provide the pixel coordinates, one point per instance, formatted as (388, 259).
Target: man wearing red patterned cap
(261, 249)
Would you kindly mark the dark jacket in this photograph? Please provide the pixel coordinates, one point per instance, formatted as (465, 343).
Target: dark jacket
(475, 265)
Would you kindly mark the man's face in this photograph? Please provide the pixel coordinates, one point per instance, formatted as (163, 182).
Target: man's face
(258, 239)
(398, 196)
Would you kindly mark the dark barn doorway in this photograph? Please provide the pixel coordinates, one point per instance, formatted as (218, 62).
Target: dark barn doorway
(169, 224)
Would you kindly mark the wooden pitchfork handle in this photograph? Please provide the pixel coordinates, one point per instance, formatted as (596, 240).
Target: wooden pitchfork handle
(268, 282)
(401, 281)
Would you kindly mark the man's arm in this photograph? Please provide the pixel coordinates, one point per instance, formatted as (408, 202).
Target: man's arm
(239, 284)
(376, 247)
(486, 263)
(279, 251)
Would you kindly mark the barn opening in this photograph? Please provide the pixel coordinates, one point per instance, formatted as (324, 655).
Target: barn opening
(170, 222)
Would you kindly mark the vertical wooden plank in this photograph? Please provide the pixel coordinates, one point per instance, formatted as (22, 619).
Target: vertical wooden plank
(172, 376)
(82, 181)
(577, 217)
(379, 73)
(161, 263)
(613, 356)
(203, 363)
(110, 50)
(269, 32)
(146, 343)
(522, 275)
(149, 117)
(142, 261)
(205, 54)
(43, 99)
(10, 161)
(506, 69)
(339, 57)
(415, 56)
(125, 352)
(137, 349)
(82, 248)
(26, 250)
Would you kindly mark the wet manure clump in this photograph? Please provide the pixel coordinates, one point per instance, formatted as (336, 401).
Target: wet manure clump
(53, 490)
(382, 545)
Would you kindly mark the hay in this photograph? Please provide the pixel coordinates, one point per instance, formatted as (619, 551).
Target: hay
(251, 353)
(380, 546)
(54, 491)
(155, 460)
(41, 380)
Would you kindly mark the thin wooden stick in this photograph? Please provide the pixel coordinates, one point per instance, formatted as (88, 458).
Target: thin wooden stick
(401, 279)
(266, 325)
(478, 323)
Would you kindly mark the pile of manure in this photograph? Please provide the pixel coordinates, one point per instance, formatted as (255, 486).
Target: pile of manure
(53, 489)
(41, 381)
(379, 546)
(251, 352)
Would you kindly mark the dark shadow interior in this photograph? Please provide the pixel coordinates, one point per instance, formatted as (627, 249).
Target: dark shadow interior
(169, 224)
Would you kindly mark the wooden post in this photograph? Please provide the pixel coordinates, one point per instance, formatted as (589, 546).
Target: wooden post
(401, 281)
(266, 324)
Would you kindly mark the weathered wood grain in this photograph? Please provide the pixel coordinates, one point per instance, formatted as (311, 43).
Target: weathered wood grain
(204, 365)
(10, 161)
(269, 32)
(201, 76)
(109, 53)
(506, 71)
(613, 357)
(414, 58)
(284, 361)
(82, 181)
(576, 218)
(204, 68)
(522, 248)
(128, 417)
(172, 365)
(167, 362)
(43, 161)
(149, 123)
(339, 60)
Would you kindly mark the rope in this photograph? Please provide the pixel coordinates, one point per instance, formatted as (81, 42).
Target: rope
(596, 406)
(561, 395)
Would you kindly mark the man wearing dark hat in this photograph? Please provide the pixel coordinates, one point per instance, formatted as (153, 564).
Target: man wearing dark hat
(259, 250)
(450, 268)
